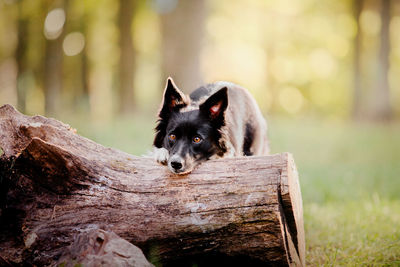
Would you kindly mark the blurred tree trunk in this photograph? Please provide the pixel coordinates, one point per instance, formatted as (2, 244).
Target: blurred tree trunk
(53, 62)
(127, 56)
(381, 108)
(76, 68)
(21, 57)
(53, 75)
(357, 93)
(182, 40)
(85, 67)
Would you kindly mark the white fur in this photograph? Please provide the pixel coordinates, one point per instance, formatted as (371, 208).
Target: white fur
(160, 155)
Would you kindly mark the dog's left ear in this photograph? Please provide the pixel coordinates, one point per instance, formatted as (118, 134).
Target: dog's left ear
(215, 106)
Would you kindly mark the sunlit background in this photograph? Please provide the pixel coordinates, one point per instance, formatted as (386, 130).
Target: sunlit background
(326, 74)
(296, 57)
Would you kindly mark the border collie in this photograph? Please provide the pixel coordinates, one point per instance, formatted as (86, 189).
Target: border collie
(216, 120)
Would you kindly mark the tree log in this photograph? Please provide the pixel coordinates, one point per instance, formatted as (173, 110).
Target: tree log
(56, 184)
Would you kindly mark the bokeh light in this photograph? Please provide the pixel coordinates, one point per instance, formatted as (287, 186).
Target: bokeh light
(370, 22)
(54, 23)
(322, 63)
(164, 6)
(291, 99)
(73, 43)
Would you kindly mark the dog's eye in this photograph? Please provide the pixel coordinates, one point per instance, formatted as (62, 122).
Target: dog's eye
(172, 137)
(196, 139)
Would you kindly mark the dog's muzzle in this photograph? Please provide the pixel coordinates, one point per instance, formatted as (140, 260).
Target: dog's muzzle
(178, 165)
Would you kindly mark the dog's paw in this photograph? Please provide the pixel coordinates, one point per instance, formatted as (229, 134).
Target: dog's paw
(160, 155)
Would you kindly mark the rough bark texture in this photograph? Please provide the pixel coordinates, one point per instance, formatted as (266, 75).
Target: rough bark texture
(102, 248)
(56, 184)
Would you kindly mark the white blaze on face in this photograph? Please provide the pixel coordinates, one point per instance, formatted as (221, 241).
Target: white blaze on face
(175, 159)
(187, 163)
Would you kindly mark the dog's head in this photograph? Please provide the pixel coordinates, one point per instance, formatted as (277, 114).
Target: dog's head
(190, 135)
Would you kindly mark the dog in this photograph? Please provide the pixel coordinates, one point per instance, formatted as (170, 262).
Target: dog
(217, 120)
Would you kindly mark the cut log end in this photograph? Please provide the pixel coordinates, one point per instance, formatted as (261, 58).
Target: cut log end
(57, 184)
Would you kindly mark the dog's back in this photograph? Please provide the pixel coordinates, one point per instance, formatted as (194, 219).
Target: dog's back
(245, 129)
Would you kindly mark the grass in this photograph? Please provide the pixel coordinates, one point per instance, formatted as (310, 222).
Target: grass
(349, 176)
(354, 233)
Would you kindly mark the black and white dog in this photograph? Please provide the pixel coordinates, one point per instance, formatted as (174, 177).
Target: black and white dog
(217, 120)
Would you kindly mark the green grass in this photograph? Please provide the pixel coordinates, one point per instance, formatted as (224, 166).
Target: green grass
(354, 233)
(349, 176)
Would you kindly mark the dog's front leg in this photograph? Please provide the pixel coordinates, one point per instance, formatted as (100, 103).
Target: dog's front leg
(160, 155)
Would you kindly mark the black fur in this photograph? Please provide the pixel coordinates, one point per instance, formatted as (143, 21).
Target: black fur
(218, 98)
(187, 125)
(248, 140)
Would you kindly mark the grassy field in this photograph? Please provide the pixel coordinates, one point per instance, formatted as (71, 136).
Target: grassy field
(349, 175)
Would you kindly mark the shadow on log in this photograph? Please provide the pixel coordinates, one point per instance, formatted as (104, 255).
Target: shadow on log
(56, 185)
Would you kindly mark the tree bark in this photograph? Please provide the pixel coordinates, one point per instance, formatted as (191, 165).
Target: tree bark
(56, 184)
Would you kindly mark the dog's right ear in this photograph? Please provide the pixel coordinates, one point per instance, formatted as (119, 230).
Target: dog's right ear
(173, 99)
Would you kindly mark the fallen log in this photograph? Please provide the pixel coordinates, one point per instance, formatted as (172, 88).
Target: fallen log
(56, 184)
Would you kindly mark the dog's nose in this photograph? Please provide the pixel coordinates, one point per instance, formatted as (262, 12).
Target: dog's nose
(176, 165)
